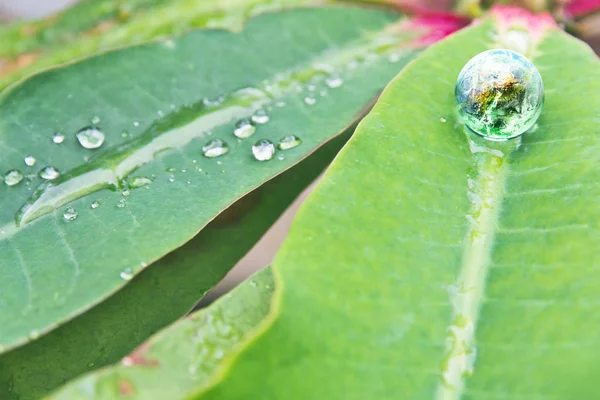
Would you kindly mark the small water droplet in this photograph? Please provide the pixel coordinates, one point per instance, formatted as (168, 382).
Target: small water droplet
(280, 104)
(121, 203)
(442, 119)
(95, 119)
(124, 134)
(136, 124)
(90, 137)
(311, 87)
(189, 181)
(30, 161)
(139, 181)
(334, 82)
(171, 178)
(126, 274)
(70, 214)
(394, 58)
(49, 173)
(184, 170)
(126, 192)
(289, 142)
(215, 148)
(244, 129)
(170, 169)
(95, 204)
(34, 334)
(58, 138)
(263, 150)
(260, 117)
(13, 177)
(310, 100)
(90, 364)
(280, 158)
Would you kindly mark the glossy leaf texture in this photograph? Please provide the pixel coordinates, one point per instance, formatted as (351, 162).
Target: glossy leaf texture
(160, 295)
(431, 264)
(178, 361)
(71, 241)
(93, 26)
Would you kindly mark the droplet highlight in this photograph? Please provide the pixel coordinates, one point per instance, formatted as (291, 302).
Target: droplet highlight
(263, 150)
(70, 214)
(58, 138)
(215, 148)
(289, 142)
(13, 177)
(244, 129)
(49, 173)
(90, 137)
(30, 161)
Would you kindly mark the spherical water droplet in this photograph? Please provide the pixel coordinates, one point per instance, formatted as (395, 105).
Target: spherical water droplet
(70, 214)
(95, 119)
(334, 82)
(58, 138)
(171, 178)
(136, 123)
(281, 158)
(189, 181)
(126, 192)
(34, 334)
(13, 177)
(215, 148)
(49, 173)
(126, 274)
(289, 142)
(244, 129)
(139, 181)
(442, 119)
(95, 204)
(260, 117)
(30, 161)
(124, 134)
(263, 150)
(500, 94)
(310, 100)
(90, 137)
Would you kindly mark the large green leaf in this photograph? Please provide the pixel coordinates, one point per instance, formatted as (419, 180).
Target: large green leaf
(429, 264)
(179, 360)
(158, 105)
(94, 26)
(161, 294)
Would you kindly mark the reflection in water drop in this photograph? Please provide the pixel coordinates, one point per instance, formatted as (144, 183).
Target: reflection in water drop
(58, 138)
(13, 177)
(289, 142)
(95, 204)
(244, 129)
(30, 161)
(90, 137)
(263, 150)
(49, 173)
(126, 274)
(70, 214)
(260, 117)
(215, 148)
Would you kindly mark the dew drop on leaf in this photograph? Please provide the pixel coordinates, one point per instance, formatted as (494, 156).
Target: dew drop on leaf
(70, 214)
(126, 192)
(95, 204)
(13, 177)
(215, 148)
(95, 119)
(260, 117)
(442, 119)
(30, 161)
(310, 100)
(334, 82)
(244, 129)
(58, 138)
(127, 274)
(139, 181)
(90, 137)
(289, 142)
(49, 173)
(263, 150)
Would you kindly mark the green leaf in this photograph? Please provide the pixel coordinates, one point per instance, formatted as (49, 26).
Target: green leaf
(429, 264)
(179, 360)
(94, 26)
(158, 106)
(161, 294)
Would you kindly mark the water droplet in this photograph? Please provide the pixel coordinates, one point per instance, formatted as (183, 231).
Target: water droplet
(90, 137)
(90, 364)
(124, 134)
(289, 142)
(70, 214)
(394, 58)
(189, 181)
(95, 204)
(442, 119)
(280, 104)
(13, 177)
(139, 181)
(95, 119)
(263, 150)
(260, 117)
(215, 148)
(280, 158)
(136, 124)
(171, 178)
(34, 334)
(334, 82)
(310, 100)
(49, 173)
(311, 87)
(126, 274)
(121, 203)
(58, 138)
(244, 129)
(126, 192)
(30, 161)
(170, 169)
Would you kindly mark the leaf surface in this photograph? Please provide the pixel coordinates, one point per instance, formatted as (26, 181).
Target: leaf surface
(158, 106)
(161, 294)
(430, 264)
(178, 361)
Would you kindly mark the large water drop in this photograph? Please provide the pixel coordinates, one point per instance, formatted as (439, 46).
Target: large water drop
(49, 173)
(260, 117)
(263, 150)
(289, 142)
(58, 138)
(70, 214)
(244, 129)
(30, 161)
(90, 137)
(13, 177)
(215, 148)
